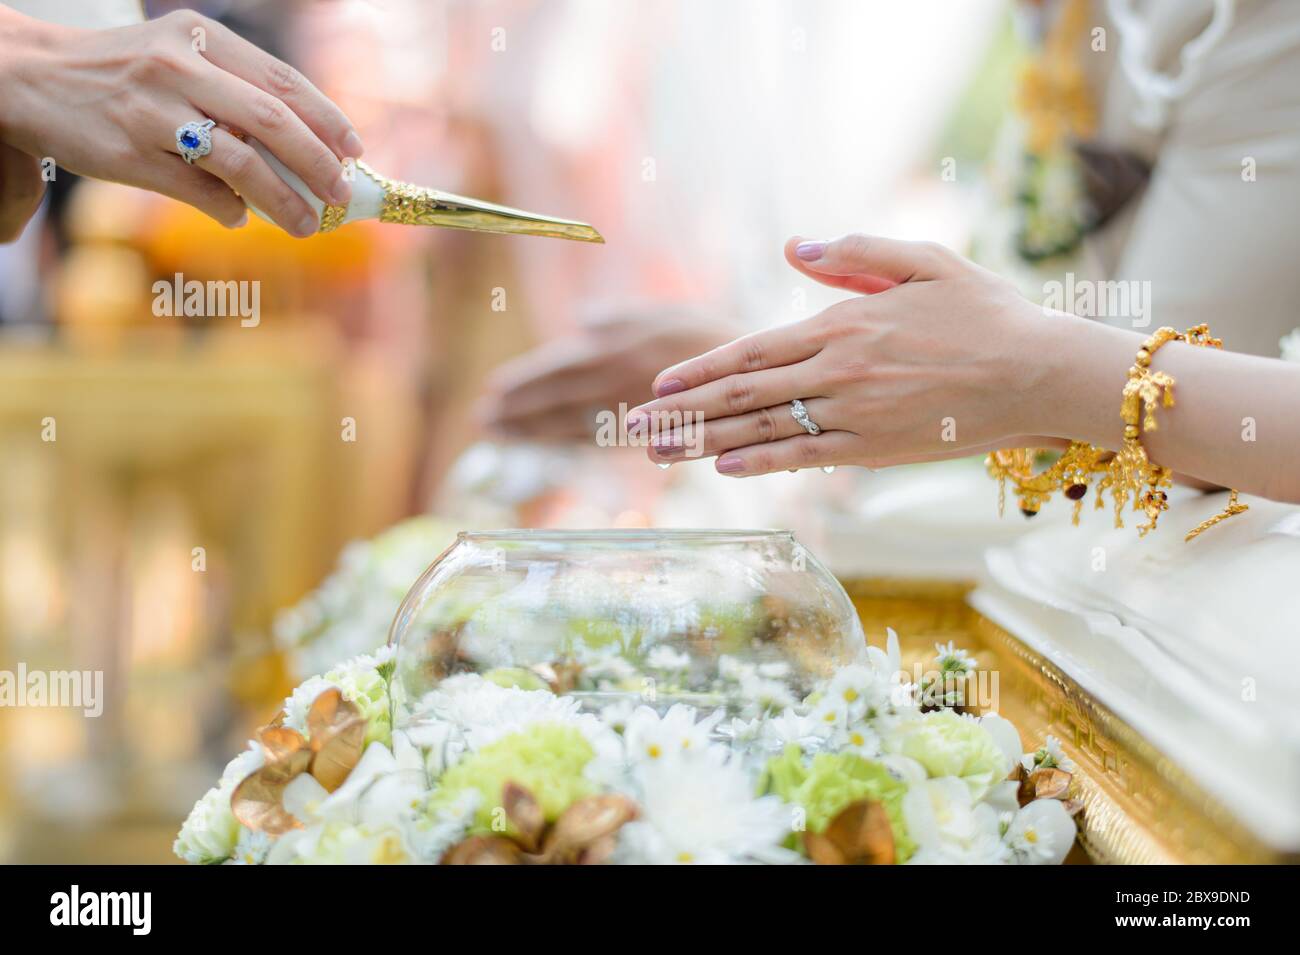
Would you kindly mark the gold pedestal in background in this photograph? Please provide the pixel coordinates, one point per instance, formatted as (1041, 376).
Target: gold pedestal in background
(1139, 807)
(158, 503)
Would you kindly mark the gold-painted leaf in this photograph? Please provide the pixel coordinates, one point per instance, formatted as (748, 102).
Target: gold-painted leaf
(561, 676)
(525, 814)
(1050, 783)
(861, 834)
(279, 743)
(483, 850)
(821, 850)
(257, 802)
(337, 735)
(595, 853)
(585, 823)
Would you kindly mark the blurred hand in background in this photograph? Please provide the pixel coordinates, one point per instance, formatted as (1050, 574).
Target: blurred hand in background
(21, 189)
(553, 392)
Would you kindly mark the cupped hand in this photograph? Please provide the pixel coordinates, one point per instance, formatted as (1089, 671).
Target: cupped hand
(553, 392)
(107, 103)
(934, 361)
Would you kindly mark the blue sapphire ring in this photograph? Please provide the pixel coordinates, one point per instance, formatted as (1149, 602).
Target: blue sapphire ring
(194, 140)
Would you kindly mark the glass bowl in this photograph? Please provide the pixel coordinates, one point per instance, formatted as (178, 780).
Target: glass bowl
(746, 621)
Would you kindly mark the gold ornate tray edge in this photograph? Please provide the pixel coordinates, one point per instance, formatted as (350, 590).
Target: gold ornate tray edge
(1139, 806)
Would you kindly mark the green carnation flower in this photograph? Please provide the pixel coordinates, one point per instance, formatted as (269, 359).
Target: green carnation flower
(831, 782)
(547, 759)
(950, 745)
(365, 685)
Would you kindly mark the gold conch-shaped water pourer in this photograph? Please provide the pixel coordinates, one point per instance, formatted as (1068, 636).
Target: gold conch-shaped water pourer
(375, 196)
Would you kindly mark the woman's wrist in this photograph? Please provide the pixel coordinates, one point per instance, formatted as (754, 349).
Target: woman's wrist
(1084, 365)
(22, 41)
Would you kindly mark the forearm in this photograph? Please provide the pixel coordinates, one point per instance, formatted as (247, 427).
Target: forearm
(1235, 423)
(22, 38)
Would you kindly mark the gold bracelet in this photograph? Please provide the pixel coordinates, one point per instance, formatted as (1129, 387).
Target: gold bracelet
(1072, 473)
(1128, 474)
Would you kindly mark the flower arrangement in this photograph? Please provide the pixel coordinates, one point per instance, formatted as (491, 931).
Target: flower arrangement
(349, 613)
(528, 766)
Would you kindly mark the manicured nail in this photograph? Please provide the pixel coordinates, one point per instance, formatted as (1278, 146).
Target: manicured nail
(669, 450)
(340, 192)
(352, 147)
(243, 221)
(730, 464)
(810, 251)
(636, 418)
(669, 386)
(307, 225)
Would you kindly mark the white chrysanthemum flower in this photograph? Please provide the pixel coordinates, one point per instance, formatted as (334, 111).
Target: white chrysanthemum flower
(360, 682)
(1041, 833)
(482, 712)
(952, 659)
(666, 659)
(949, 827)
(210, 831)
(706, 814)
(615, 715)
(763, 694)
(251, 848)
(651, 737)
(858, 738)
(741, 731)
(734, 668)
(341, 843)
(1005, 735)
(791, 728)
(1048, 756)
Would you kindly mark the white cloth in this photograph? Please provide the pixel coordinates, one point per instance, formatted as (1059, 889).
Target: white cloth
(1195, 645)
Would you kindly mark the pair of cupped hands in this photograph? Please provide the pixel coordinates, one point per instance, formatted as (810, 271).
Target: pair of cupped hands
(931, 360)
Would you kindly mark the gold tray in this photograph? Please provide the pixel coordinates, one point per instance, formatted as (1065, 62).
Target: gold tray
(1139, 807)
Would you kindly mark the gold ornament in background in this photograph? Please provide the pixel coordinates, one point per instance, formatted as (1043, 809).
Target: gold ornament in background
(407, 204)
(337, 735)
(1053, 94)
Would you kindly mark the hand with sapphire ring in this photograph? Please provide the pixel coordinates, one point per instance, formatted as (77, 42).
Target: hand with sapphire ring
(154, 105)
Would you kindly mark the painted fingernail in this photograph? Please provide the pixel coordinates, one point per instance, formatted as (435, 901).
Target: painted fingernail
(307, 225)
(352, 147)
(636, 418)
(810, 251)
(730, 464)
(669, 386)
(669, 450)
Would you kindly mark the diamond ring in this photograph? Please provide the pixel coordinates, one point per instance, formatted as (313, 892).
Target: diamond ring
(194, 140)
(800, 414)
